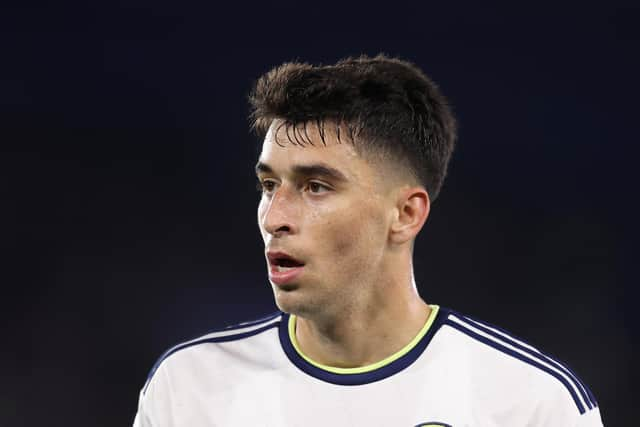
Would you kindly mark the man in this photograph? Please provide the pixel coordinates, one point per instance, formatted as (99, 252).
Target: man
(353, 156)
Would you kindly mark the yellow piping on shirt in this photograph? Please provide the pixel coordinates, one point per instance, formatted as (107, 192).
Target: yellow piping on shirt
(373, 366)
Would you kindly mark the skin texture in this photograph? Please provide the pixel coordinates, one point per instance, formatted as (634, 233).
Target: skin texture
(356, 298)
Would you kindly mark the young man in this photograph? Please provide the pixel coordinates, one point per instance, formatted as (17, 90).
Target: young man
(353, 156)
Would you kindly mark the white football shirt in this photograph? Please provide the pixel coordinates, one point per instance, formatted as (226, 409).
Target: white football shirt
(457, 372)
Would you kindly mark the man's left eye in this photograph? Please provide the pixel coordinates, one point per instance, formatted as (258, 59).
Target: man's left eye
(316, 187)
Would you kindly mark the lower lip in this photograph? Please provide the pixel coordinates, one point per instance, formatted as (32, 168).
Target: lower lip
(284, 277)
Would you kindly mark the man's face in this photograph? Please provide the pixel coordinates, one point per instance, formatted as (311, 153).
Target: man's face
(324, 217)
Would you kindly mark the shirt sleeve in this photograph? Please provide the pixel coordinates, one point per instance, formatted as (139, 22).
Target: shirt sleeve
(154, 405)
(559, 408)
(590, 418)
(141, 419)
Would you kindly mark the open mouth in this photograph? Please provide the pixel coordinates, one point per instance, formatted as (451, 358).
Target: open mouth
(281, 262)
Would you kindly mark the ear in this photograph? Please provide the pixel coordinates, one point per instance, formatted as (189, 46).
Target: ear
(412, 211)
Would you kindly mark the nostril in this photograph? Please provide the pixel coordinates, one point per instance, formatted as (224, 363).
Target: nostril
(282, 229)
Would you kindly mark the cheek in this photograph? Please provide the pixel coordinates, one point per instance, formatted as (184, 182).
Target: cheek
(356, 238)
(261, 210)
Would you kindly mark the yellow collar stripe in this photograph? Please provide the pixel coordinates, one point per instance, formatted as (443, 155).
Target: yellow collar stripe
(373, 366)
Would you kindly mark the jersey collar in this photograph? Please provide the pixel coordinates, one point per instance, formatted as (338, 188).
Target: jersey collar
(365, 374)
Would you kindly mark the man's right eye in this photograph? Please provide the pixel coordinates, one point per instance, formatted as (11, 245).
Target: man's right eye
(266, 186)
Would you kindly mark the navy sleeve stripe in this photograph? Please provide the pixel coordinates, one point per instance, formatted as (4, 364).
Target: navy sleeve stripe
(243, 325)
(507, 339)
(506, 336)
(527, 360)
(217, 337)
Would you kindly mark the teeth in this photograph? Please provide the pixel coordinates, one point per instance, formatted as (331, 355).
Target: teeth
(280, 268)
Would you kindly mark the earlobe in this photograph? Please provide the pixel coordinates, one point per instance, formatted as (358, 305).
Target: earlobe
(412, 212)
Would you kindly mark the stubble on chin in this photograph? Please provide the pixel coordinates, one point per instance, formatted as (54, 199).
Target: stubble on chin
(297, 302)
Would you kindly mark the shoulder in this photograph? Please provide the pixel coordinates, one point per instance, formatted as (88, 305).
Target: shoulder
(246, 336)
(508, 365)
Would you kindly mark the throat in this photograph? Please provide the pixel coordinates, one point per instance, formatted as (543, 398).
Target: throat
(356, 344)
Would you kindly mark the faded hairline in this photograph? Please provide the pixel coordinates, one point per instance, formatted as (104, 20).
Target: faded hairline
(389, 162)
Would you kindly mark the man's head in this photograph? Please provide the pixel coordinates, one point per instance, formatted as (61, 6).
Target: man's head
(387, 107)
(353, 155)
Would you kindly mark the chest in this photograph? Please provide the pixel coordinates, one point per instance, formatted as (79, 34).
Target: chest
(287, 399)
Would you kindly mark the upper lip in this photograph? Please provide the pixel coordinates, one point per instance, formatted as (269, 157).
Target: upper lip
(275, 256)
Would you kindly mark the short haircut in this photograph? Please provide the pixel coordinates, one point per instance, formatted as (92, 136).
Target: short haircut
(388, 103)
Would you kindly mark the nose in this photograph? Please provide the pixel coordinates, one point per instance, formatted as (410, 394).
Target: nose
(278, 214)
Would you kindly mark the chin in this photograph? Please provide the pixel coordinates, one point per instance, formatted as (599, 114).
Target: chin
(287, 302)
(293, 302)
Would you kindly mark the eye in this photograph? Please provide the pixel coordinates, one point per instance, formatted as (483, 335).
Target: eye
(266, 186)
(317, 187)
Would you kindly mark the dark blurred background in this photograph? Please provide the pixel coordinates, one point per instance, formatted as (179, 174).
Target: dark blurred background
(128, 201)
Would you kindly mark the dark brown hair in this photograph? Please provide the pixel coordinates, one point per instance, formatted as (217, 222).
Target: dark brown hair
(389, 103)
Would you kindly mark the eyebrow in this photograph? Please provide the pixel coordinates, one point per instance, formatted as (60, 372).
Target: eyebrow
(316, 169)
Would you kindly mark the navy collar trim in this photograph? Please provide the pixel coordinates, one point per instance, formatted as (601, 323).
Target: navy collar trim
(360, 378)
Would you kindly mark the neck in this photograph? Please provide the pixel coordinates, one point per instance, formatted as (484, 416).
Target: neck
(360, 336)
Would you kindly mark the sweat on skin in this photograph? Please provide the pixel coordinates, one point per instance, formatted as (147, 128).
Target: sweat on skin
(353, 230)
